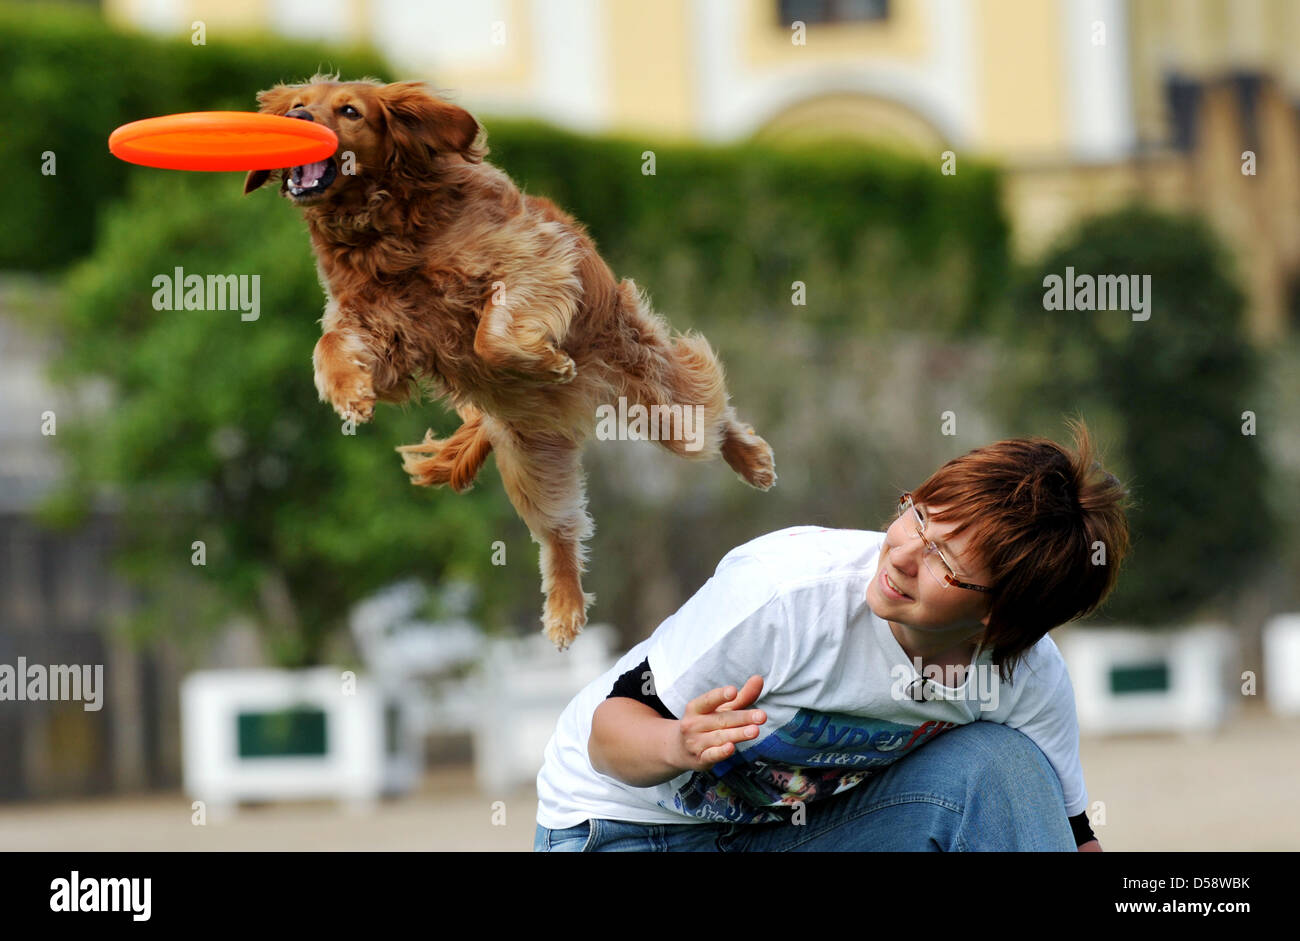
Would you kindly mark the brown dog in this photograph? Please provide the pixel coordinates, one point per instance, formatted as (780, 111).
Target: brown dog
(437, 268)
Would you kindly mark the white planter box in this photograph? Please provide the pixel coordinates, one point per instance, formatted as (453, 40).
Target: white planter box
(1130, 680)
(1282, 664)
(524, 686)
(258, 735)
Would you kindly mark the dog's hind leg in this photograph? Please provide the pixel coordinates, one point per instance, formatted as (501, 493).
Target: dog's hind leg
(543, 479)
(455, 460)
(696, 380)
(748, 454)
(682, 385)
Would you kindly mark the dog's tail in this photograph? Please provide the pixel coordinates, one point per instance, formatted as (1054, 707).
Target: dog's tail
(455, 461)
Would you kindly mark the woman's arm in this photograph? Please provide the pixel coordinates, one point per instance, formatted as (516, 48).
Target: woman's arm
(632, 743)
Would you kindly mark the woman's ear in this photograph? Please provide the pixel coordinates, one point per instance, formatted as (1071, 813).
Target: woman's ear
(420, 127)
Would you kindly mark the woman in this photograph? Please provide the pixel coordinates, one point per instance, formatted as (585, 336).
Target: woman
(854, 649)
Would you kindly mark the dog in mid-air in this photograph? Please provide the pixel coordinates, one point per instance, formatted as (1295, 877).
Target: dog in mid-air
(439, 271)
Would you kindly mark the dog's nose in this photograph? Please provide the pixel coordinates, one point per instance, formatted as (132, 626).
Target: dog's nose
(300, 113)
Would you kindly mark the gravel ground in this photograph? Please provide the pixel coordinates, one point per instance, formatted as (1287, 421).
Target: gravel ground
(1228, 790)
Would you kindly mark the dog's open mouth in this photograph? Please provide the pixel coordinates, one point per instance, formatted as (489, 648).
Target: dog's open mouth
(311, 179)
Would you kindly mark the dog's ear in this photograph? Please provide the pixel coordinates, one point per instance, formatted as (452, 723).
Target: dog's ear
(276, 100)
(420, 127)
(255, 179)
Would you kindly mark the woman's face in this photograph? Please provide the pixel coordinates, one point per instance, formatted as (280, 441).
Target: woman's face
(905, 591)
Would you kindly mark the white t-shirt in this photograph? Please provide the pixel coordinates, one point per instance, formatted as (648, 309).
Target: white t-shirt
(842, 697)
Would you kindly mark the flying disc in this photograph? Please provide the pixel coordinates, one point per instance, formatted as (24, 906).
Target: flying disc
(222, 140)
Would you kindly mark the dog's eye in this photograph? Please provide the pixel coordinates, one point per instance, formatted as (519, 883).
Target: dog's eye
(298, 105)
(350, 111)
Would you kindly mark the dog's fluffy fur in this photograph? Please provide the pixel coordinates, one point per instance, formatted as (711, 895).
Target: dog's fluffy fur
(438, 269)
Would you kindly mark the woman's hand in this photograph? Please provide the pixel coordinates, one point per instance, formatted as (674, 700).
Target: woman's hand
(714, 721)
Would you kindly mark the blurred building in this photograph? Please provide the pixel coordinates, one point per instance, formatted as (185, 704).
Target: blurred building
(1086, 103)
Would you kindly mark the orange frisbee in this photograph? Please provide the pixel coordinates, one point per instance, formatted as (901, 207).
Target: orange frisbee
(222, 140)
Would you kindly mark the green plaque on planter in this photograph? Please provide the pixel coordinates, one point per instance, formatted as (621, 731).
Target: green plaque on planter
(288, 733)
(1140, 678)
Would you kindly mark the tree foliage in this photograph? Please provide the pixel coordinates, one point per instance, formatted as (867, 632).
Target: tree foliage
(214, 434)
(1169, 392)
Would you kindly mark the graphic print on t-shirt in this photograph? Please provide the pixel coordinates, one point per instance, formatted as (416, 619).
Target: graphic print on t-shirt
(814, 755)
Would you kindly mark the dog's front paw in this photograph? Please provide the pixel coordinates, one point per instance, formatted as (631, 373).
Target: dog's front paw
(341, 377)
(562, 369)
(354, 401)
(358, 412)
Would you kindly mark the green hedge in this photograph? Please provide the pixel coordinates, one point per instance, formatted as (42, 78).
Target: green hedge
(878, 238)
(70, 79)
(734, 226)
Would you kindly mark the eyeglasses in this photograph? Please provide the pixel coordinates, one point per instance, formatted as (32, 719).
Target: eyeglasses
(934, 559)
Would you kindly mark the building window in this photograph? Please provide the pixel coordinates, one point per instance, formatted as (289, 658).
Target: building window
(1183, 96)
(832, 11)
(1249, 87)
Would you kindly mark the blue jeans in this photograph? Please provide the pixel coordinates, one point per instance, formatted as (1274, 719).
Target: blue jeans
(981, 786)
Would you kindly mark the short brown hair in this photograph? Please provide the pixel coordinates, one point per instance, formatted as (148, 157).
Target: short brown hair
(1036, 513)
